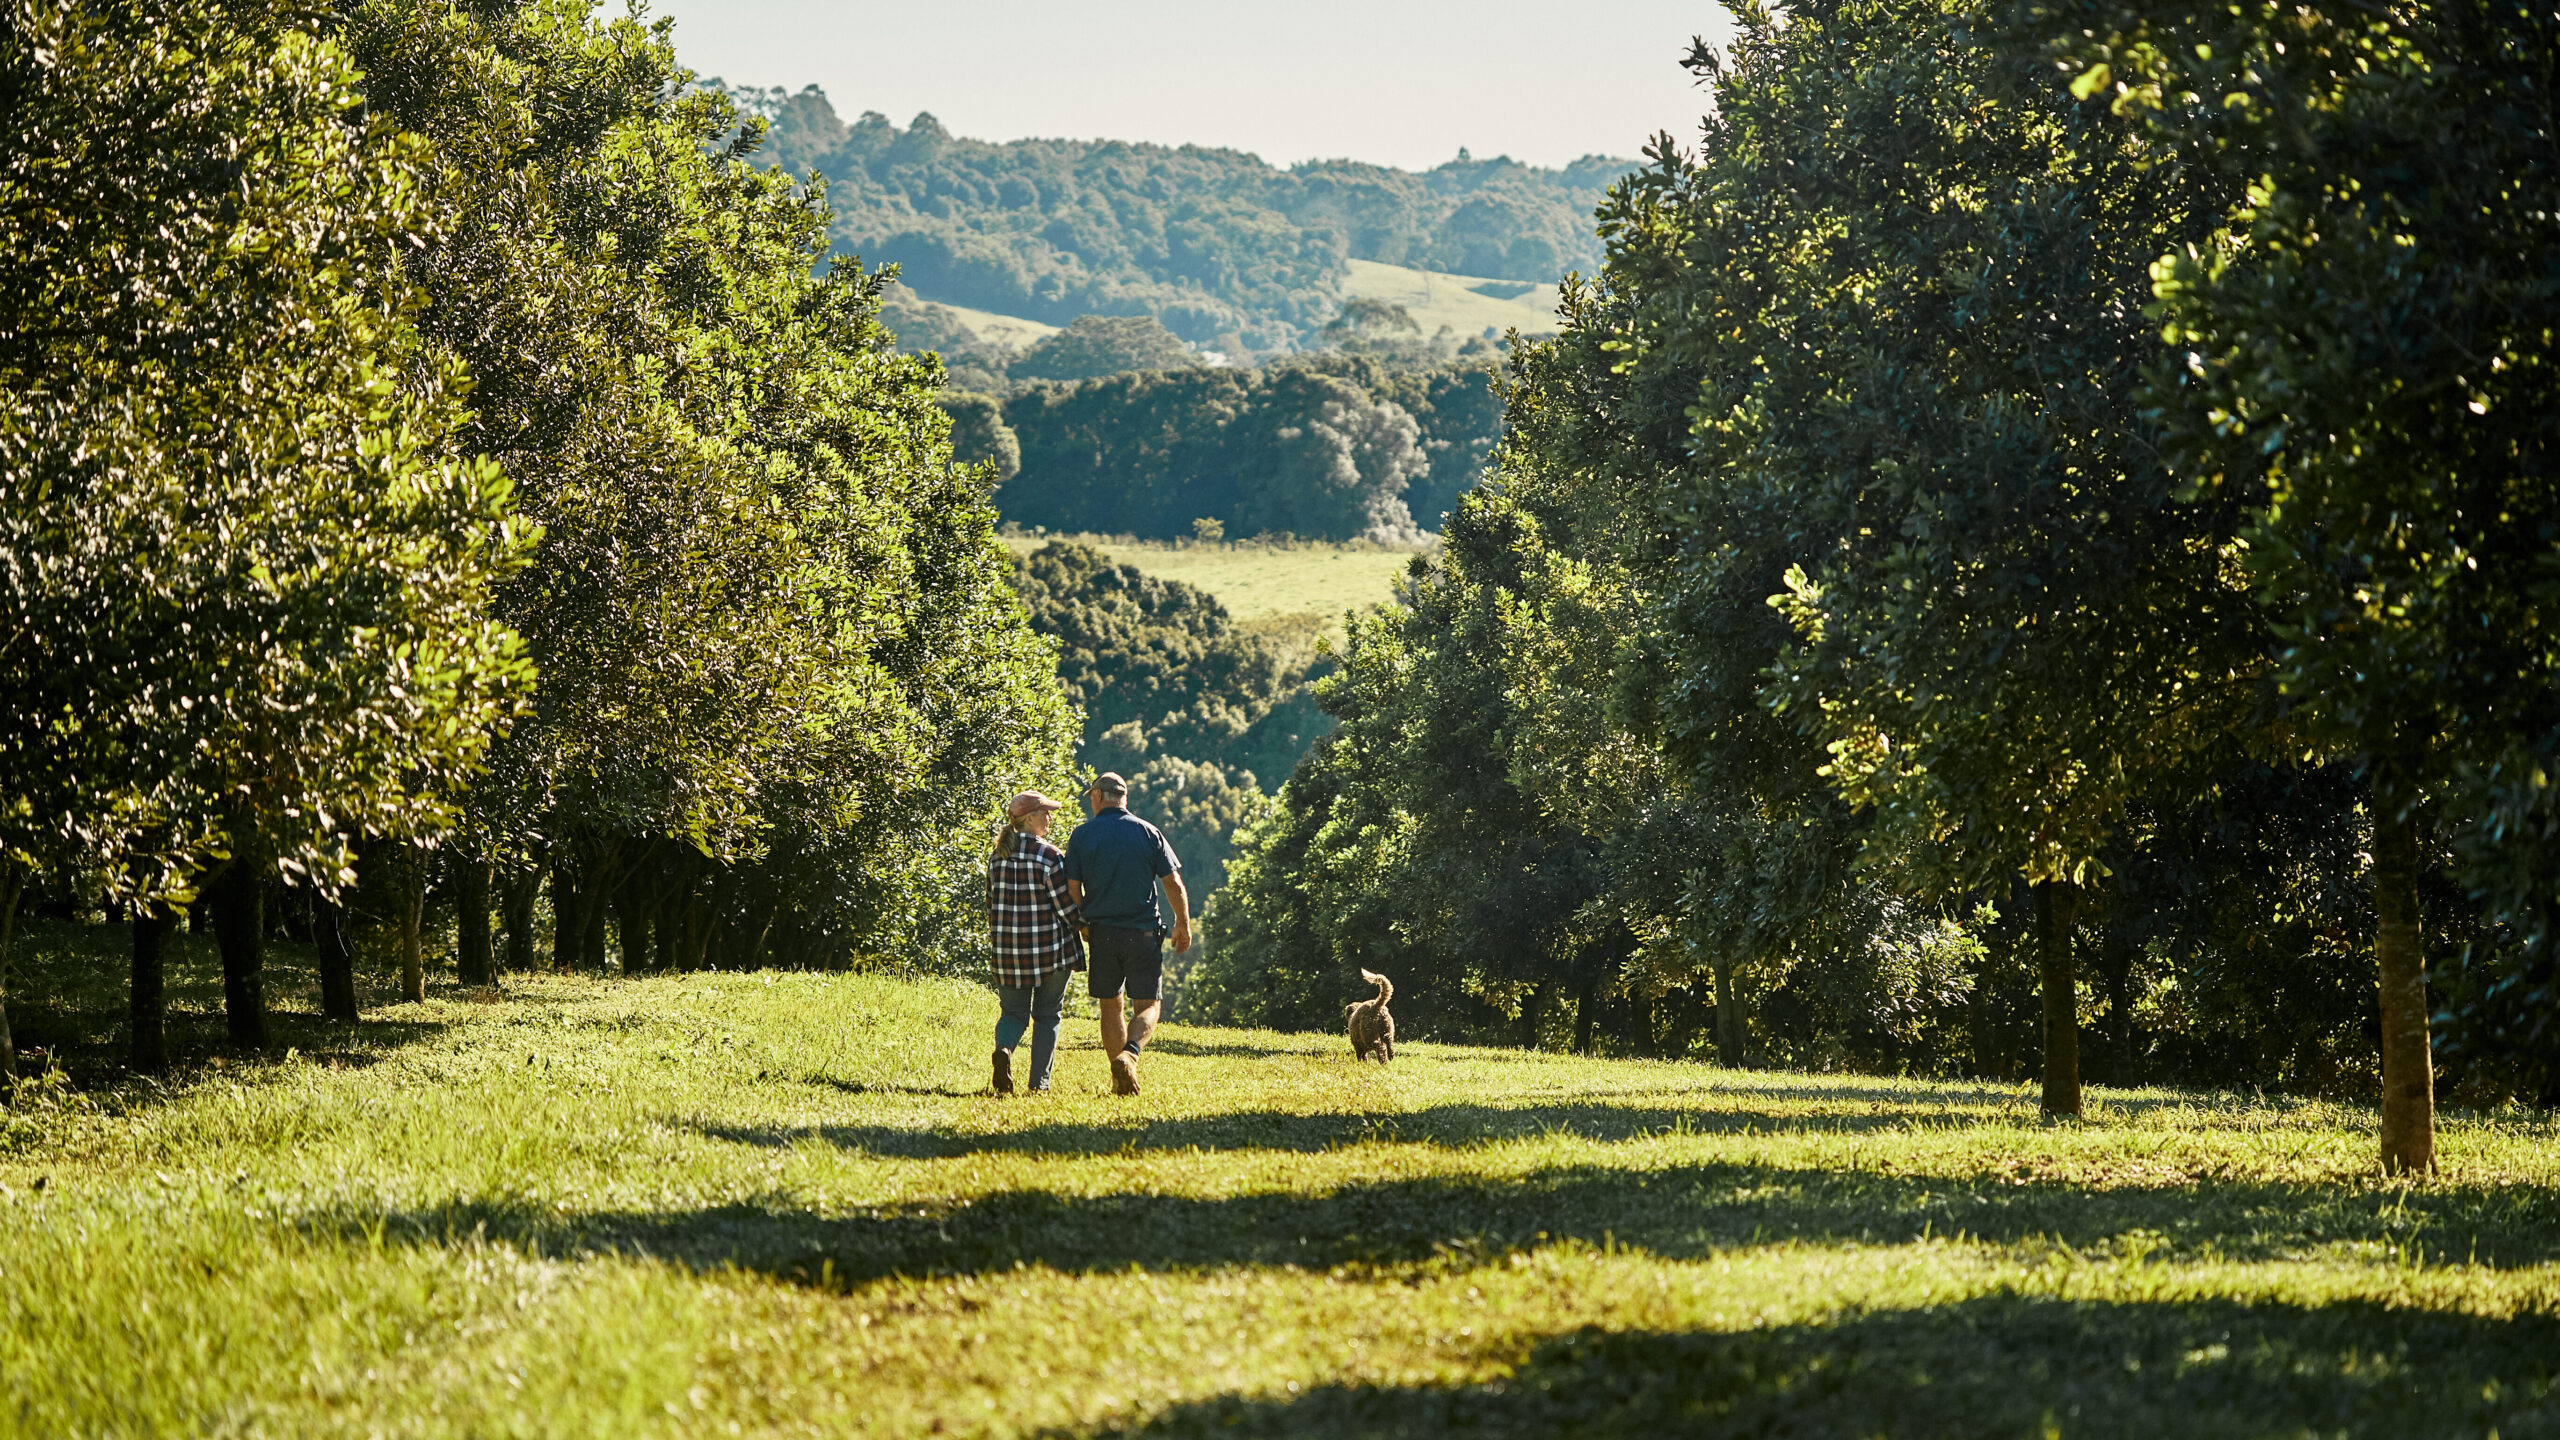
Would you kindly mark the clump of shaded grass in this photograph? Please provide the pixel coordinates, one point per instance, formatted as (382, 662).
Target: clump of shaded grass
(782, 1202)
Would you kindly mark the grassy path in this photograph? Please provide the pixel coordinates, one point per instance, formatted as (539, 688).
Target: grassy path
(780, 1205)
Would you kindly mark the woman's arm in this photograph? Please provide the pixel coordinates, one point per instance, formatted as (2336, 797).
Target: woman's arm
(1063, 894)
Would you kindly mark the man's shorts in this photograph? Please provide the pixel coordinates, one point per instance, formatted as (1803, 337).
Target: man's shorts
(1133, 959)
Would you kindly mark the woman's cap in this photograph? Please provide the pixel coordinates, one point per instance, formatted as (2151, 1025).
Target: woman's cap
(1030, 800)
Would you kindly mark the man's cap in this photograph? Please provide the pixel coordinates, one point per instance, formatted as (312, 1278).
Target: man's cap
(1110, 783)
(1030, 800)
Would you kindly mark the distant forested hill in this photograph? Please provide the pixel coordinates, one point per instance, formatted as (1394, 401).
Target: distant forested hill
(1223, 248)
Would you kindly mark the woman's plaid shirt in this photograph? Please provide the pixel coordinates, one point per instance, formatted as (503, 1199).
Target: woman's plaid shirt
(1031, 921)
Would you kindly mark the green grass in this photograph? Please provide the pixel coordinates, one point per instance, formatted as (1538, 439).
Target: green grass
(1466, 304)
(781, 1205)
(1004, 332)
(1307, 584)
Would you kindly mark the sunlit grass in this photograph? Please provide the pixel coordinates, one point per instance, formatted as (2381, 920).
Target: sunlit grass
(1297, 588)
(783, 1202)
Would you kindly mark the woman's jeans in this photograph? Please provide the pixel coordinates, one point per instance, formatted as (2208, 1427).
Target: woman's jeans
(1035, 1006)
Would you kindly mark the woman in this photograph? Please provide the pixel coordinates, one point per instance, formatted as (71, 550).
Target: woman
(1034, 929)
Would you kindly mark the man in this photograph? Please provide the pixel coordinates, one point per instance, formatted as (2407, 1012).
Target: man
(1115, 862)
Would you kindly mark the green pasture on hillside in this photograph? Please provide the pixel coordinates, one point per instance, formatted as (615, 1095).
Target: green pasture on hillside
(768, 1204)
(1312, 582)
(1001, 332)
(1467, 304)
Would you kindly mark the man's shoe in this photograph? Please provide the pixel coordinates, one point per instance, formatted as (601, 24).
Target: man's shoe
(1004, 1072)
(1124, 1074)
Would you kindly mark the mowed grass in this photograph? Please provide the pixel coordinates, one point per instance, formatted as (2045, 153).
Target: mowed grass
(1310, 584)
(783, 1205)
(1467, 304)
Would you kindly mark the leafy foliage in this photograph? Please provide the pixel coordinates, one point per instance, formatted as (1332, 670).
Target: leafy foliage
(246, 568)
(2364, 357)
(1870, 620)
(766, 605)
(1097, 345)
(1329, 447)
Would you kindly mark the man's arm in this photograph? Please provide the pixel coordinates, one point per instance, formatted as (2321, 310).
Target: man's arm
(1075, 897)
(1180, 899)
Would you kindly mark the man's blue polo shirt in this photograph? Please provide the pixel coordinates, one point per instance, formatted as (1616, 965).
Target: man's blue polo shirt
(1119, 858)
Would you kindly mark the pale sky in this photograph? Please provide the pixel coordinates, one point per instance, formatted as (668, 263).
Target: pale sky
(1398, 82)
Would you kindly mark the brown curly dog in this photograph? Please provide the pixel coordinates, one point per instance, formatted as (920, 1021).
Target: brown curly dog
(1373, 1030)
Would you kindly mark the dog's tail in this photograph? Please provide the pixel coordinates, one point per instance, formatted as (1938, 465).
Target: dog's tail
(1386, 987)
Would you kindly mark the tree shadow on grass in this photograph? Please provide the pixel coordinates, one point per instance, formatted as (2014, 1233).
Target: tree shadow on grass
(1164, 1044)
(1995, 1366)
(1448, 1125)
(1678, 1212)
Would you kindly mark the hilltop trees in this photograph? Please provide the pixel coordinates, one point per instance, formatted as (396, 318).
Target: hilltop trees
(1222, 248)
(1097, 345)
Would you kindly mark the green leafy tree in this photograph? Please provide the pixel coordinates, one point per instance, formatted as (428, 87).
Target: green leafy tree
(767, 603)
(1096, 345)
(2364, 357)
(245, 576)
(2008, 629)
(1373, 327)
(979, 435)
(1286, 449)
(1406, 843)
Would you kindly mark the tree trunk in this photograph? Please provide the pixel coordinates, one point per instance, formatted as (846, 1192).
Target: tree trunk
(2057, 911)
(1990, 1057)
(150, 1000)
(568, 945)
(337, 960)
(239, 925)
(635, 907)
(591, 924)
(1582, 1016)
(12, 885)
(678, 901)
(2408, 1065)
(1533, 1015)
(476, 961)
(704, 934)
(1728, 1019)
(412, 903)
(2115, 963)
(520, 890)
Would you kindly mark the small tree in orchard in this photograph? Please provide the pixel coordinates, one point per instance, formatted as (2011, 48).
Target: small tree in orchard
(243, 588)
(2368, 357)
